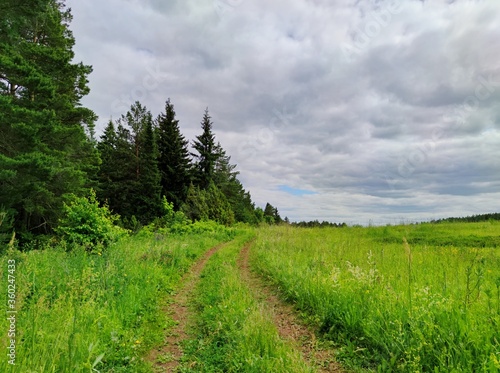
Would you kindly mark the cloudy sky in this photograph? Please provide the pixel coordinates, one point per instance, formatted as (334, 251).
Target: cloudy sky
(349, 110)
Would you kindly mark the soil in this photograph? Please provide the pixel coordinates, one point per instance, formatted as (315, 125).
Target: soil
(167, 358)
(287, 321)
(290, 327)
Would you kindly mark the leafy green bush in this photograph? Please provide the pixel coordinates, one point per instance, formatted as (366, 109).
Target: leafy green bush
(87, 224)
(7, 234)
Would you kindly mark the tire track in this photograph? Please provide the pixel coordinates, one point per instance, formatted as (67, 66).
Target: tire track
(167, 358)
(286, 320)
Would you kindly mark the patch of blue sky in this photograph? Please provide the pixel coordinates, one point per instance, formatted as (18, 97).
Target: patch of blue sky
(294, 191)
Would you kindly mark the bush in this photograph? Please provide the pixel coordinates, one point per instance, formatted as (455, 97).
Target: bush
(87, 224)
(7, 235)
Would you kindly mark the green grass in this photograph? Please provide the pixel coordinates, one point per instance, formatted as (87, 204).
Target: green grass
(78, 311)
(233, 332)
(432, 304)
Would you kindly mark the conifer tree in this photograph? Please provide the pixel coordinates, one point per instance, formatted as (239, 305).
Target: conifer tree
(129, 176)
(45, 153)
(225, 178)
(271, 214)
(206, 155)
(148, 196)
(107, 151)
(117, 174)
(173, 158)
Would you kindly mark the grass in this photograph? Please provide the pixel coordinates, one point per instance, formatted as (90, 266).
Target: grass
(78, 312)
(417, 298)
(233, 332)
(407, 299)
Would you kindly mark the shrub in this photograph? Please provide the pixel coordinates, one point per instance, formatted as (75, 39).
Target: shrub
(87, 224)
(7, 235)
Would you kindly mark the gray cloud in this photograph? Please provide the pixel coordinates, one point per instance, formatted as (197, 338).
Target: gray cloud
(387, 110)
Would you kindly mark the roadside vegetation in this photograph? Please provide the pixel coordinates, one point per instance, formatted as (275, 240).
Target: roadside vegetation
(232, 331)
(102, 310)
(406, 298)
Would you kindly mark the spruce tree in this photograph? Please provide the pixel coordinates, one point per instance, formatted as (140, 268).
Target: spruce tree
(107, 151)
(148, 196)
(271, 214)
(206, 155)
(129, 176)
(225, 178)
(173, 157)
(45, 153)
(117, 174)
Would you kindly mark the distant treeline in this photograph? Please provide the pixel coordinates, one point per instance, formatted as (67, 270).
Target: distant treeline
(317, 224)
(49, 153)
(470, 219)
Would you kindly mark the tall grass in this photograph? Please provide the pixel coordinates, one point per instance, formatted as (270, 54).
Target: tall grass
(395, 298)
(233, 332)
(79, 312)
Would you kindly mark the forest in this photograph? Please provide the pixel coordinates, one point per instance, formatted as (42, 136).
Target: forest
(138, 250)
(50, 154)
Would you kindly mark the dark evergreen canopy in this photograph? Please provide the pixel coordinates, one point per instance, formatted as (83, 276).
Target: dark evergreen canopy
(173, 158)
(45, 150)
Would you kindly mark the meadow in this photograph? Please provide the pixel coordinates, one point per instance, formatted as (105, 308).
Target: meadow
(410, 298)
(232, 330)
(101, 312)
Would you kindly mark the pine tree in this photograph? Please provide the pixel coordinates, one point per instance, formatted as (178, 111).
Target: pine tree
(45, 153)
(206, 156)
(173, 160)
(129, 175)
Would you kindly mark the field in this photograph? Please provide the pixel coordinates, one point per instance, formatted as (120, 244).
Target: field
(410, 298)
(407, 298)
(78, 312)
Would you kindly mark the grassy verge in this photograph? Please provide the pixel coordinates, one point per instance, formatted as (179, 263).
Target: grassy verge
(394, 306)
(233, 332)
(78, 312)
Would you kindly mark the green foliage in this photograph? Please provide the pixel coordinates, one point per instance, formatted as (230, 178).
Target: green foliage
(6, 229)
(209, 204)
(271, 215)
(225, 178)
(470, 219)
(390, 305)
(80, 309)
(173, 157)
(45, 153)
(233, 333)
(147, 197)
(206, 154)
(88, 225)
(129, 176)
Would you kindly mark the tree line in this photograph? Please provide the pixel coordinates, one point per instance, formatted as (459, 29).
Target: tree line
(469, 219)
(49, 151)
(144, 159)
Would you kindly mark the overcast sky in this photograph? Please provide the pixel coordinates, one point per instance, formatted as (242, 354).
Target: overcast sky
(348, 110)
